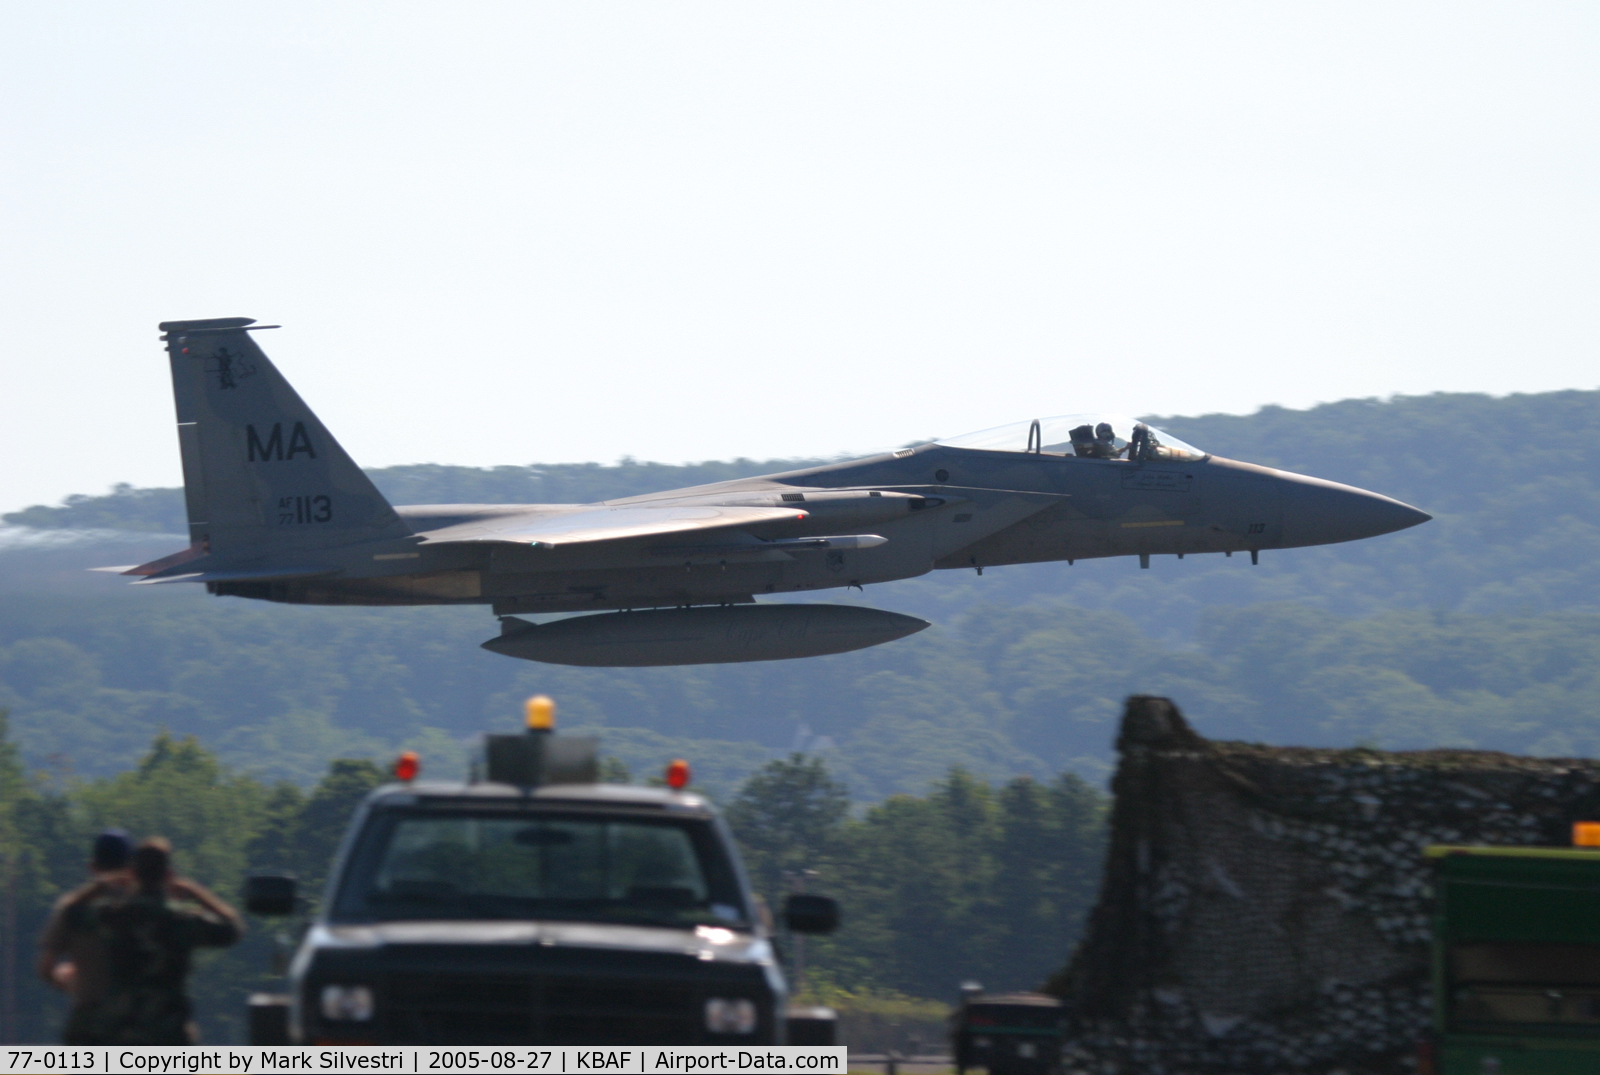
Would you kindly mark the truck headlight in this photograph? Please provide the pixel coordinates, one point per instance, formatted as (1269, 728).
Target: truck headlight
(346, 1003)
(730, 1016)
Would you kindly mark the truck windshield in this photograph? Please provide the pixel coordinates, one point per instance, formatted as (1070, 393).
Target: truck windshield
(526, 866)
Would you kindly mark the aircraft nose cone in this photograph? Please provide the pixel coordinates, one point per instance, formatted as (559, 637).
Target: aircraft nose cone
(1317, 512)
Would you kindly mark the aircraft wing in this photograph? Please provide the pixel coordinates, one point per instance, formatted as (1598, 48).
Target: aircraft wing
(609, 524)
(241, 575)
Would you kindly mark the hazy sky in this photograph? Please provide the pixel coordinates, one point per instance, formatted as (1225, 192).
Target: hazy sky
(518, 232)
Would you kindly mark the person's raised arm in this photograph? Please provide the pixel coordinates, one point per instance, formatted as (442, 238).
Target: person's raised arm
(194, 890)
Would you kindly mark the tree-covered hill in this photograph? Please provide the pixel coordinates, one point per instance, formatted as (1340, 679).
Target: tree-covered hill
(1002, 690)
(1479, 628)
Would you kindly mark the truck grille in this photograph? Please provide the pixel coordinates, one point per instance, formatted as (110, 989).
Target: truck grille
(450, 1009)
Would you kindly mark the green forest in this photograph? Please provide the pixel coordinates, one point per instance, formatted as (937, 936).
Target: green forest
(1478, 629)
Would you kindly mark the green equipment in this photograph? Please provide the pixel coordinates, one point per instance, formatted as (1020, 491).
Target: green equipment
(1007, 1033)
(1516, 962)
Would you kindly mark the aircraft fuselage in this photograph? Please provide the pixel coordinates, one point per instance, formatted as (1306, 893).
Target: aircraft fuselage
(279, 511)
(978, 509)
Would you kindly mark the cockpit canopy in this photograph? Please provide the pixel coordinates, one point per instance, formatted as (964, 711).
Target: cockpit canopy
(1082, 436)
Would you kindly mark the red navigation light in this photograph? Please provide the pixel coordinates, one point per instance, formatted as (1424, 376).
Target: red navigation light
(678, 775)
(406, 766)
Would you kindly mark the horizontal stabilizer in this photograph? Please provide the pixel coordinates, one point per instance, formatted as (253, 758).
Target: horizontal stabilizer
(609, 524)
(166, 564)
(243, 576)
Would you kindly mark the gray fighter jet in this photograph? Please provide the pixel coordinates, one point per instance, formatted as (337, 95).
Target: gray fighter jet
(279, 512)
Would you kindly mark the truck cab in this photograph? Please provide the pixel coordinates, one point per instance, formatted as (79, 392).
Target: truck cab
(555, 913)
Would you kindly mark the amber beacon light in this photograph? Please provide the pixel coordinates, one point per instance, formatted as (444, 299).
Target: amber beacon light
(407, 766)
(541, 713)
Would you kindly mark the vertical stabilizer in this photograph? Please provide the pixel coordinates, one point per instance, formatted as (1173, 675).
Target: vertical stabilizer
(261, 474)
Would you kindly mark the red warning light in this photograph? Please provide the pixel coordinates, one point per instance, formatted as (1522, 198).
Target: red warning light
(407, 765)
(678, 775)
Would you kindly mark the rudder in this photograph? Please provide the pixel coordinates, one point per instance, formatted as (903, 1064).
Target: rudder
(260, 471)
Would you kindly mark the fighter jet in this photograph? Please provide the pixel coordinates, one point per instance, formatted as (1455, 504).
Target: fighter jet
(278, 512)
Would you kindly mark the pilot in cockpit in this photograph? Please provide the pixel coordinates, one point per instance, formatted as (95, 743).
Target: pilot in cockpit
(1096, 442)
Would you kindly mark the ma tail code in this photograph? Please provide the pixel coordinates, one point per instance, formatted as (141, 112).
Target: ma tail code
(272, 449)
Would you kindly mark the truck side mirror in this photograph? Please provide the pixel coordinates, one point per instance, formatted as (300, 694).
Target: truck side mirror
(811, 914)
(269, 895)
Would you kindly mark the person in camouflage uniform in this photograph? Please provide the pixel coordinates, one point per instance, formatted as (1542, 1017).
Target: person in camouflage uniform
(73, 960)
(147, 944)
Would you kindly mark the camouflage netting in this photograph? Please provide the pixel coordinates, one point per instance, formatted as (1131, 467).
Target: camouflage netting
(1265, 910)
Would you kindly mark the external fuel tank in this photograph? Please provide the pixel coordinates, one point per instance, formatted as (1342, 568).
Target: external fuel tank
(716, 635)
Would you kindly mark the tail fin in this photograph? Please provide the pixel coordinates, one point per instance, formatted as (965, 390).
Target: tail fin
(260, 472)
